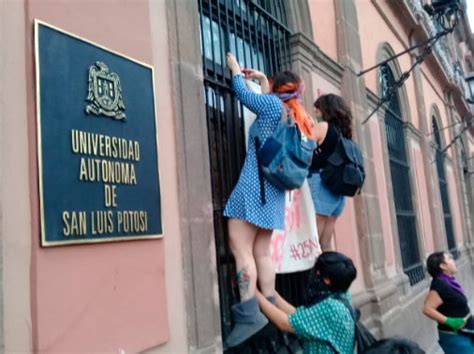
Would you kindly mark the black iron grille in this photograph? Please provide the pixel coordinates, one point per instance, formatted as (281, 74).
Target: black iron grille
(256, 32)
(443, 190)
(402, 194)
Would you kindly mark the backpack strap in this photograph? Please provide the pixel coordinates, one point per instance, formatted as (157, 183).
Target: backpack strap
(348, 305)
(285, 111)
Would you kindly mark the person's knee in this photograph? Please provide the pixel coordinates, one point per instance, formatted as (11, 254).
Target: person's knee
(262, 251)
(241, 252)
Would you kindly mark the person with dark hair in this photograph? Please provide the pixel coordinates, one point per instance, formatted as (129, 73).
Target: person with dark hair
(447, 304)
(324, 323)
(250, 221)
(394, 346)
(335, 119)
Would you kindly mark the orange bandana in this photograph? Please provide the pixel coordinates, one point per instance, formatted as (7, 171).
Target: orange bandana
(290, 95)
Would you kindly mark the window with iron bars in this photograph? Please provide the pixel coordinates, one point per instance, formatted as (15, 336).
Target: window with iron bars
(443, 191)
(256, 32)
(400, 173)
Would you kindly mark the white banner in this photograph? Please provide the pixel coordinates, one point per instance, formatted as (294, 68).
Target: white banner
(297, 247)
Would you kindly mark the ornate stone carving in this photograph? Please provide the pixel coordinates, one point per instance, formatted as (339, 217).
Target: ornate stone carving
(105, 94)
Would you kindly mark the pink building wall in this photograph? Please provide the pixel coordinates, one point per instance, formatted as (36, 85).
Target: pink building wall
(423, 200)
(433, 94)
(96, 297)
(375, 31)
(347, 241)
(369, 19)
(346, 237)
(382, 189)
(323, 18)
(15, 213)
(454, 202)
(378, 26)
(109, 297)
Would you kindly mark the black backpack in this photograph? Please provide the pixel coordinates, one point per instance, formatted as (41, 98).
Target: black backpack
(363, 338)
(344, 171)
(365, 342)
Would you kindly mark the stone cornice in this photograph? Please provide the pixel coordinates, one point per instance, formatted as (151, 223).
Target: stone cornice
(423, 28)
(305, 50)
(372, 99)
(427, 29)
(413, 131)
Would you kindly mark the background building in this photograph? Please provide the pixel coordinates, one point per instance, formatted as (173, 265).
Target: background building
(173, 295)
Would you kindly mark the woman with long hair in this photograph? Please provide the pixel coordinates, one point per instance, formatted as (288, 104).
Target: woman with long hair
(251, 222)
(447, 304)
(334, 119)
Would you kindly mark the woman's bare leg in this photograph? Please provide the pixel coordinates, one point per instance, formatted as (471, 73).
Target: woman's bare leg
(329, 229)
(264, 263)
(241, 240)
(325, 231)
(246, 314)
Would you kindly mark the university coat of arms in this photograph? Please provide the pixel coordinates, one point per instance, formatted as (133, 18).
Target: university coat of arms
(105, 94)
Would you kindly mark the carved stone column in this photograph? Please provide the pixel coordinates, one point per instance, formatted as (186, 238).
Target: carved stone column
(436, 212)
(353, 89)
(453, 117)
(194, 180)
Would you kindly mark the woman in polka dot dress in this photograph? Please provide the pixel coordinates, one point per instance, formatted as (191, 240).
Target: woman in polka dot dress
(251, 222)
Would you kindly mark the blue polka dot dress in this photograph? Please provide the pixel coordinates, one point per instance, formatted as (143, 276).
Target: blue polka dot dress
(244, 202)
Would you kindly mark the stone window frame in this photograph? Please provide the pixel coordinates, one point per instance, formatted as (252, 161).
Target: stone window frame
(196, 226)
(465, 187)
(384, 51)
(435, 114)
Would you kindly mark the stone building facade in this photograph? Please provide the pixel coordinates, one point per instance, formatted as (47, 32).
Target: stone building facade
(173, 295)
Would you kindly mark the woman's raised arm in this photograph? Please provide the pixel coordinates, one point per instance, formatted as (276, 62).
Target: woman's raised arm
(256, 102)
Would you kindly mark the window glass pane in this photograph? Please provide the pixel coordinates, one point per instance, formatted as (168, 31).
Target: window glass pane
(213, 44)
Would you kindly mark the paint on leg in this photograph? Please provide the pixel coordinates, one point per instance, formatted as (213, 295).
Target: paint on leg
(243, 279)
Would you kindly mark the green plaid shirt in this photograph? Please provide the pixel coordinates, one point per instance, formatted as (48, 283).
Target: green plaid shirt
(327, 321)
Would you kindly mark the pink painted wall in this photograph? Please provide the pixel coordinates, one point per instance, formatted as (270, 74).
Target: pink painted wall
(423, 201)
(15, 219)
(347, 241)
(375, 31)
(433, 94)
(95, 298)
(174, 274)
(323, 19)
(346, 237)
(455, 203)
(382, 189)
